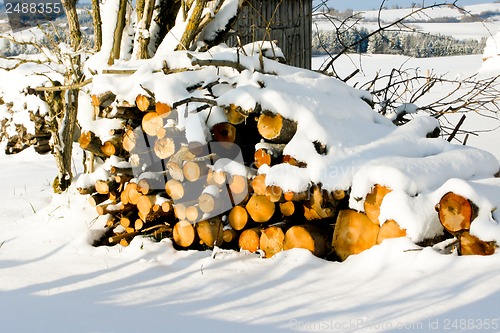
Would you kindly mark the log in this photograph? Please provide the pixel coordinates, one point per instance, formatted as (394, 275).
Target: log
(193, 213)
(174, 189)
(129, 140)
(150, 185)
(162, 109)
(184, 234)
(390, 229)
(274, 193)
(287, 208)
(112, 147)
(210, 232)
(224, 132)
(175, 171)
(275, 128)
(234, 114)
(373, 202)
(338, 195)
(151, 123)
(308, 236)
(103, 99)
(97, 199)
(209, 200)
(230, 236)
(354, 232)
(314, 209)
(144, 103)
(164, 147)
(250, 240)
(194, 170)
(272, 241)
(216, 177)
(127, 221)
(472, 245)
(262, 157)
(145, 204)
(260, 209)
(238, 218)
(455, 212)
(180, 211)
(258, 184)
(238, 184)
(105, 186)
(91, 143)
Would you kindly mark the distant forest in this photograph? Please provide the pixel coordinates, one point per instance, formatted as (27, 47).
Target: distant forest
(419, 45)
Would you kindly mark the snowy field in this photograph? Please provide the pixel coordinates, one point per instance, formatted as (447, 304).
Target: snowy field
(52, 280)
(425, 24)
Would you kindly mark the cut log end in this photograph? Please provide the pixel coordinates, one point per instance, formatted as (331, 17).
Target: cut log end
(455, 212)
(354, 232)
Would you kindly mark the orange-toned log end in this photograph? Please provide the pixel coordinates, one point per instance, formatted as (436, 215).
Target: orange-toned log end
(261, 157)
(455, 212)
(390, 229)
(224, 132)
(354, 232)
(374, 200)
(307, 237)
(238, 217)
(250, 239)
(184, 234)
(260, 208)
(163, 109)
(258, 184)
(129, 140)
(230, 236)
(272, 241)
(210, 232)
(164, 147)
(276, 128)
(287, 208)
(143, 102)
(472, 245)
(151, 123)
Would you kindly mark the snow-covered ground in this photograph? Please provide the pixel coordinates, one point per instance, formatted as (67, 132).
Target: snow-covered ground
(52, 280)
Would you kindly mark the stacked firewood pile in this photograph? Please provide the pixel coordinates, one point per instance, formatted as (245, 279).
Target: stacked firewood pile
(205, 195)
(164, 181)
(17, 135)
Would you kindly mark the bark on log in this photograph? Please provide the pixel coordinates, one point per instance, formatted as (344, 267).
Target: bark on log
(354, 232)
(472, 245)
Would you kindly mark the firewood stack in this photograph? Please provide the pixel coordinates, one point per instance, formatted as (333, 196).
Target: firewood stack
(203, 194)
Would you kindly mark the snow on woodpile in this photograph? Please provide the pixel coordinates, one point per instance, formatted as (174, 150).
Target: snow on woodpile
(339, 144)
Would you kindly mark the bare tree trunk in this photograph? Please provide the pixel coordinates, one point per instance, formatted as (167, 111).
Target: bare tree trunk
(63, 113)
(117, 37)
(144, 24)
(97, 23)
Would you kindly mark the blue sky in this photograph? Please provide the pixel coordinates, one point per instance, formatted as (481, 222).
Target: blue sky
(374, 4)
